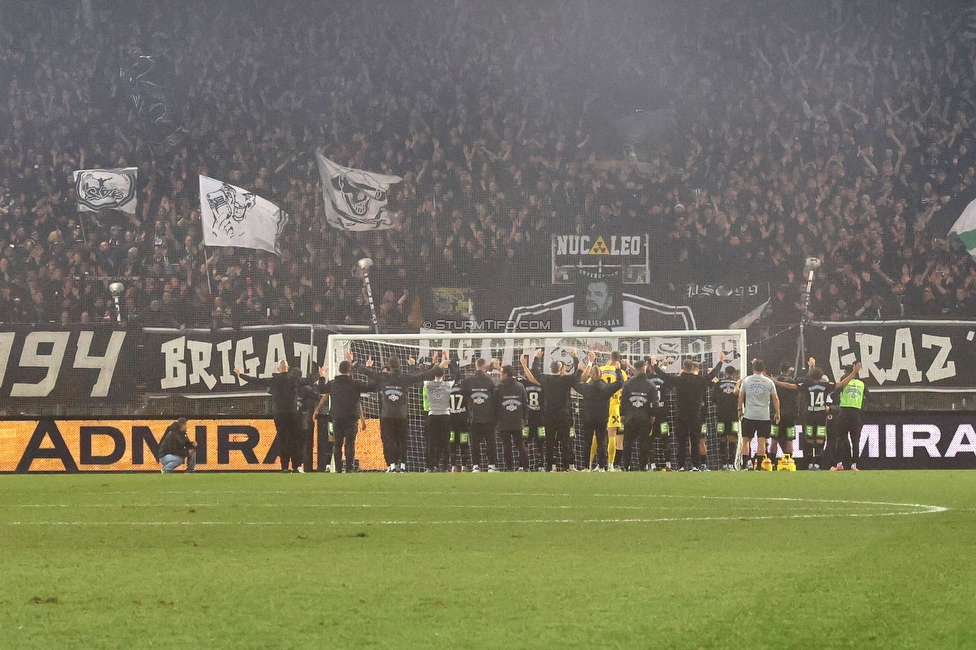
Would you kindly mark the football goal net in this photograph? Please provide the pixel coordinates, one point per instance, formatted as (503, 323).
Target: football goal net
(416, 351)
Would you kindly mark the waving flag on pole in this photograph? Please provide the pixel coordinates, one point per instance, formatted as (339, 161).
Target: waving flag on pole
(965, 228)
(232, 216)
(355, 199)
(106, 189)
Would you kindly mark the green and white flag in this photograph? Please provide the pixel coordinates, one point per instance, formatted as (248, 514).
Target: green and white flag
(965, 228)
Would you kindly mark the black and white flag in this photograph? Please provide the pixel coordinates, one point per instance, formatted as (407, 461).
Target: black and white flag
(106, 189)
(232, 216)
(355, 199)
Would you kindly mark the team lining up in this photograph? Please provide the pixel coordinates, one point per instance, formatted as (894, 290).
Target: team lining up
(536, 408)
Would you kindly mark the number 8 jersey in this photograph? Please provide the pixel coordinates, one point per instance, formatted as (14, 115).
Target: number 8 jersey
(533, 402)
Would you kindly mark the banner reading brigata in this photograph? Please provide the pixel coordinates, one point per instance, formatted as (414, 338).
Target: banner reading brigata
(48, 445)
(203, 361)
(919, 355)
(98, 365)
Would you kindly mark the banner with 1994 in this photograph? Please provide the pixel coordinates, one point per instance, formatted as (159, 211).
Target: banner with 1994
(98, 366)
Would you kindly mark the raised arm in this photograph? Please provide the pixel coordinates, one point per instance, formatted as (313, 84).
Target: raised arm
(367, 369)
(660, 372)
(318, 407)
(427, 375)
(367, 386)
(846, 380)
(257, 381)
(453, 368)
(782, 384)
(528, 373)
(537, 367)
(718, 366)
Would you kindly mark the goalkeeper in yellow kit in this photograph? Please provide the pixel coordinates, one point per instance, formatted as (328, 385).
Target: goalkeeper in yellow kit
(608, 373)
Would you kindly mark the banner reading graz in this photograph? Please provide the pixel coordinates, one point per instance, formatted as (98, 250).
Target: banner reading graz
(130, 445)
(203, 361)
(910, 354)
(66, 364)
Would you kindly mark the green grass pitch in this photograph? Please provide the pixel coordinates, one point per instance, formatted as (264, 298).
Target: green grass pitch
(718, 560)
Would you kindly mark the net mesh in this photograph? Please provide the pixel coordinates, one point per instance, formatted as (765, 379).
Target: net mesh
(416, 352)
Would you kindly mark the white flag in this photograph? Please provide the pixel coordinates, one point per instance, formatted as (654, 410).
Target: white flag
(355, 199)
(232, 216)
(106, 189)
(965, 228)
(746, 321)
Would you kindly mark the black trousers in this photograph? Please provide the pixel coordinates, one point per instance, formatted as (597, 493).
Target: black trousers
(597, 428)
(325, 447)
(689, 430)
(512, 440)
(458, 447)
(557, 432)
(846, 423)
(344, 434)
(481, 431)
(289, 429)
(308, 434)
(639, 433)
(393, 432)
(438, 434)
(660, 444)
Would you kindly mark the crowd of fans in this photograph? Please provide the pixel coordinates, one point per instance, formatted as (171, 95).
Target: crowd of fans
(835, 131)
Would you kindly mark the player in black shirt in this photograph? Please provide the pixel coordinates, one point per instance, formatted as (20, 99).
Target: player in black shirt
(283, 387)
(784, 433)
(510, 417)
(460, 420)
(534, 433)
(308, 399)
(343, 393)
(394, 391)
(813, 390)
(638, 401)
(689, 390)
(725, 396)
(557, 410)
(659, 453)
(478, 390)
(595, 408)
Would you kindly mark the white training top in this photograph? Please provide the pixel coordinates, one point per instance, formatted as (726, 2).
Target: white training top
(757, 391)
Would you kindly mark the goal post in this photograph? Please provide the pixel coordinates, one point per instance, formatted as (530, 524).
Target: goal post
(701, 345)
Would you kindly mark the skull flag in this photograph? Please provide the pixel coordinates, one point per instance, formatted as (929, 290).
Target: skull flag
(355, 199)
(106, 189)
(232, 216)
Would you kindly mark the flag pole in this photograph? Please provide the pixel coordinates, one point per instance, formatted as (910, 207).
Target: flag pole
(364, 265)
(311, 343)
(206, 265)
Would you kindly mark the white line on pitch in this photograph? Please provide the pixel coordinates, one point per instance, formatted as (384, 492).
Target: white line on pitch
(926, 510)
(116, 506)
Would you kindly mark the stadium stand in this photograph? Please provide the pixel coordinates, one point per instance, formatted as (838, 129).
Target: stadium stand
(789, 141)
